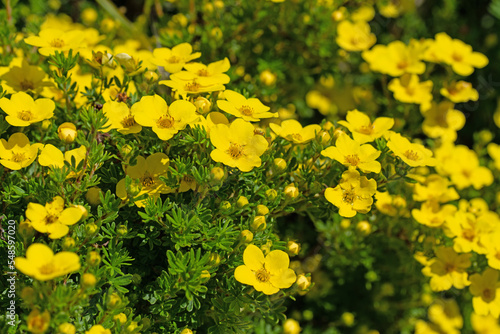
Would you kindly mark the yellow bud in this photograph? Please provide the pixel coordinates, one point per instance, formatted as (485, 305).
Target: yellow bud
(89, 16)
(225, 205)
(151, 76)
(279, 164)
(324, 137)
(113, 300)
(122, 230)
(267, 77)
(242, 202)
(291, 326)
(271, 194)
(208, 8)
(339, 14)
(46, 125)
(240, 71)
(337, 133)
(68, 243)
(121, 317)
(347, 319)
(107, 25)
(246, 236)
(186, 331)
(219, 5)
(214, 259)
(92, 196)
(217, 174)
(345, 223)
(216, 33)
(262, 210)
(328, 126)
(303, 282)
(94, 258)
(259, 223)
(202, 105)
(293, 248)
(66, 328)
(88, 280)
(485, 136)
(291, 191)
(130, 328)
(364, 227)
(28, 294)
(91, 228)
(247, 78)
(205, 275)
(266, 248)
(67, 132)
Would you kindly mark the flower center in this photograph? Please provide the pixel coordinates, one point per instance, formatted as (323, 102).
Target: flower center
(147, 181)
(262, 275)
(456, 57)
(173, 60)
(187, 179)
(366, 129)
(26, 85)
(192, 87)
(203, 73)
(468, 234)
(50, 219)
(449, 267)
(352, 160)
(246, 110)
(297, 137)
(25, 115)
(488, 295)
(47, 269)
(18, 157)
(165, 122)
(412, 155)
(128, 121)
(348, 196)
(402, 64)
(37, 324)
(235, 151)
(57, 43)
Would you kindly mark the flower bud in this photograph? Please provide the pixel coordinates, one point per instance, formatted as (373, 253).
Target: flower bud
(345, 223)
(217, 174)
(89, 16)
(107, 25)
(271, 194)
(67, 132)
(92, 196)
(38, 322)
(291, 326)
(216, 33)
(347, 319)
(293, 248)
(113, 300)
(151, 76)
(88, 280)
(122, 230)
(91, 228)
(325, 137)
(279, 164)
(205, 275)
(364, 227)
(93, 258)
(246, 236)
(68, 243)
(267, 77)
(46, 124)
(328, 126)
(186, 331)
(132, 327)
(242, 202)
(202, 105)
(291, 191)
(258, 224)
(28, 294)
(121, 317)
(127, 62)
(337, 133)
(225, 205)
(303, 282)
(66, 328)
(262, 210)
(214, 259)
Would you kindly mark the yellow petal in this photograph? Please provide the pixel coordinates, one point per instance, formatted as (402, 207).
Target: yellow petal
(253, 257)
(244, 275)
(276, 261)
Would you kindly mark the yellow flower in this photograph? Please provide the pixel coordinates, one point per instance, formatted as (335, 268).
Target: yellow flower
(17, 153)
(51, 156)
(38, 323)
(41, 263)
(293, 131)
(442, 121)
(446, 314)
(251, 109)
(355, 36)
(173, 60)
(471, 233)
(51, 40)
(22, 110)
(432, 214)
(362, 129)
(456, 53)
(395, 59)
(98, 329)
(353, 155)
(435, 188)
(23, 77)
(485, 290)
(269, 274)
(412, 154)
(53, 218)
(206, 75)
(152, 111)
(146, 173)
(120, 118)
(237, 145)
(187, 183)
(67, 328)
(353, 194)
(193, 86)
(408, 89)
(391, 205)
(484, 324)
(460, 91)
(291, 326)
(494, 152)
(447, 269)
(493, 249)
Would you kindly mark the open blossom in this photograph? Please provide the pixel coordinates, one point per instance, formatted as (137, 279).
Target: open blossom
(41, 263)
(22, 110)
(51, 40)
(460, 91)
(237, 145)
(53, 218)
(442, 121)
(17, 153)
(362, 128)
(173, 60)
(251, 109)
(448, 269)
(293, 131)
(409, 89)
(485, 289)
(120, 117)
(267, 274)
(412, 154)
(211, 74)
(355, 36)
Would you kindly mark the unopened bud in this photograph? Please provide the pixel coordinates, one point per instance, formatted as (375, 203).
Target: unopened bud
(67, 132)
(259, 223)
(202, 105)
(88, 280)
(246, 236)
(293, 248)
(291, 191)
(242, 202)
(262, 210)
